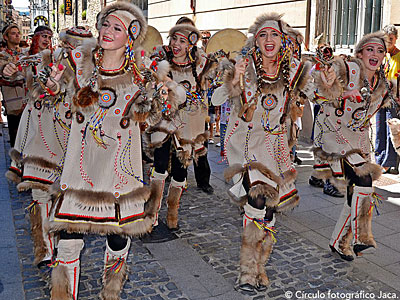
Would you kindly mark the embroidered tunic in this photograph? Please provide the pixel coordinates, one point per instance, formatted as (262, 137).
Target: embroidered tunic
(187, 125)
(342, 128)
(43, 131)
(264, 138)
(102, 181)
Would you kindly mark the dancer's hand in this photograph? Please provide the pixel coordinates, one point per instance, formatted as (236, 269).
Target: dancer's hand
(352, 95)
(240, 68)
(328, 76)
(10, 69)
(55, 75)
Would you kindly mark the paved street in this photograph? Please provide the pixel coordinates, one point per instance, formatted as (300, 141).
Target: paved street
(202, 263)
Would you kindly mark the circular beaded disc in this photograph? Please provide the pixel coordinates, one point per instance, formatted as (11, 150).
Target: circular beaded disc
(269, 101)
(107, 98)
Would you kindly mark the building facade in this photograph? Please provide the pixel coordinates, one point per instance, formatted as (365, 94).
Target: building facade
(339, 22)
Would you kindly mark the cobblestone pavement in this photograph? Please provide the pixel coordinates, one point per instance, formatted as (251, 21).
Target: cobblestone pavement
(211, 226)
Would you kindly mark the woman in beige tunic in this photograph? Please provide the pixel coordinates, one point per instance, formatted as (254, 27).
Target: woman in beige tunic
(102, 188)
(342, 142)
(182, 129)
(261, 87)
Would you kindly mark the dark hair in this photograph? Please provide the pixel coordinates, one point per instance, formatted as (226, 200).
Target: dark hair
(185, 20)
(42, 28)
(3, 44)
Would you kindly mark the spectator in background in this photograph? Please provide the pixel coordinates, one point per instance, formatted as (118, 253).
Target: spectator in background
(385, 155)
(12, 87)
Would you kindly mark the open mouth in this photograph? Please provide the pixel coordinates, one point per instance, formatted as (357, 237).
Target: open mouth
(269, 47)
(373, 62)
(107, 39)
(176, 50)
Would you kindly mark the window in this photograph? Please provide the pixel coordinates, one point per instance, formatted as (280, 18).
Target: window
(143, 5)
(344, 22)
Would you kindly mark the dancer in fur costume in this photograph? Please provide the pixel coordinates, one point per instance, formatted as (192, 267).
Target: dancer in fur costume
(261, 87)
(342, 142)
(102, 188)
(181, 130)
(40, 144)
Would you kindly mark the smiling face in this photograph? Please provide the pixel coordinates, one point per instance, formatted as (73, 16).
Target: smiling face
(112, 35)
(179, 46)
(372, 56)
(269, 42)
(44, 40)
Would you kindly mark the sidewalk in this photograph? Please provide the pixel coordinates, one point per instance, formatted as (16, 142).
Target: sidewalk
(203, 262)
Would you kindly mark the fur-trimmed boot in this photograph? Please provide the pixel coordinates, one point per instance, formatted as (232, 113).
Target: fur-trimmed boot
(340, 242)
(43, 242)
(252, 251)
(65, 274)
(174, 195)
(361, 222)
(157, 189)
(115, 272)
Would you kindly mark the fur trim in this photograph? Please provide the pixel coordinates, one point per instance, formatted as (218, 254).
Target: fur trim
(289, 176)
(60, 287)
(163, 68)
(336, 90)
(288, 205)
(334, 156)
(129, 7)
(250, 253)
(86, 99)
(13, 177)
(153, 205)
(374, 170)
(267, 191)
(366, 38)
(232, 170)
(96, 198)
(286, 28)
(173, 199)
(15, 155)
(75, 41)
(266, 172)
(27, 185)
(41, 162)
(187, 28)
(39, 246)
(265, 253)
(365, 235)
(232, 90)
(345, 243)
(185, 157)
(113, 281)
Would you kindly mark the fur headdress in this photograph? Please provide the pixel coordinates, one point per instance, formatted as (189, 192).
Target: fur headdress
(274, 21)
(129, 15)
(189, 32)
(377, 37)
(75, 36)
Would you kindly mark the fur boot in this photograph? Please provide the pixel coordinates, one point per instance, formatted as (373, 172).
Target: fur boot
(173, 199)
(115, 272)
(252, 251)
(362, 220)
(65, 275)
(39, 212)
(157, 189)
(266, 249)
